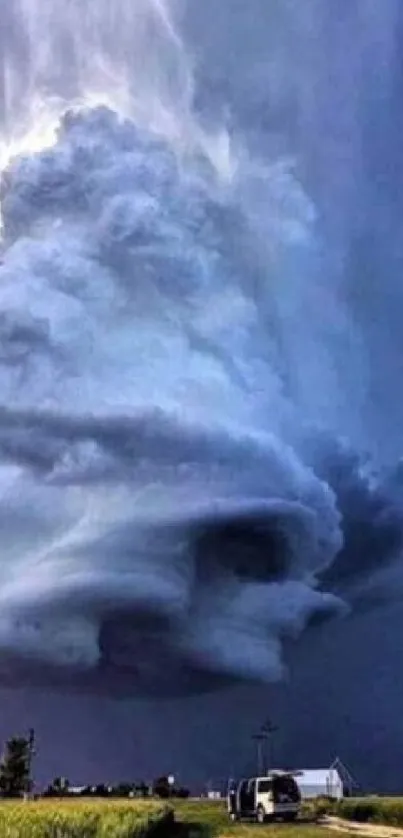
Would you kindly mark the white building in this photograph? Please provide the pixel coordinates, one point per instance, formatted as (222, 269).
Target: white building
(76, 789)
(319, 782)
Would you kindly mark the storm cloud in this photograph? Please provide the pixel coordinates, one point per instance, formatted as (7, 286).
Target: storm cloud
(177, 497)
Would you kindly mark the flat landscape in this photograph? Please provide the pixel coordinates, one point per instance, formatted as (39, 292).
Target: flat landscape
(98, 818)
(137, 819)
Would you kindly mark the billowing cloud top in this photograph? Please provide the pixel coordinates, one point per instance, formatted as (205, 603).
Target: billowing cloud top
(154, 530)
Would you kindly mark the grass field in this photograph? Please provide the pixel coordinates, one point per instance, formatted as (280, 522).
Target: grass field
(79, 819)
(379, 810)
(205, 819)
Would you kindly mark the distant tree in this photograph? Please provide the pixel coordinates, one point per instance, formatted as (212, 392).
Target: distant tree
(101, 790)
(87, 791)
(15, 768)
(142, 790)
(122, 789)
(58, 788)
(161, 787)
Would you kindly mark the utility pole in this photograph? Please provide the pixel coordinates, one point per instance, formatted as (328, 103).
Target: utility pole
(31, 752)
(261, 737)
(268, 728)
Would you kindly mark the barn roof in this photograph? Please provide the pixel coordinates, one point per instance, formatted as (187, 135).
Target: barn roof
(313, 776)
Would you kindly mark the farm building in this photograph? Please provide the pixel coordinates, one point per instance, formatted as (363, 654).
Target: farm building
(320, 782)
(335, 782)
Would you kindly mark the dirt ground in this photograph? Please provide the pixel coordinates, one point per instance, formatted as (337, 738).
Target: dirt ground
(369, 830)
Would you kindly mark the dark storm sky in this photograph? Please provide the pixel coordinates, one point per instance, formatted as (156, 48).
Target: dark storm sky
(342, 697)
(323, 82)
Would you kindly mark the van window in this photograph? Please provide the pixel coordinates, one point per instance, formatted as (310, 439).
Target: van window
(286, 790)
(264, 786)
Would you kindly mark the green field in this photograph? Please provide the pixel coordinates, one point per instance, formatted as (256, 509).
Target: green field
(371, 809)
(385, 810)
(205, 819)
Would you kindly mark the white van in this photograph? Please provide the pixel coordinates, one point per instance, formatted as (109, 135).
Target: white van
(264, 798)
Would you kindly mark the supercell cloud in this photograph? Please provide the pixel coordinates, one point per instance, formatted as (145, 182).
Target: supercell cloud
(174, 498)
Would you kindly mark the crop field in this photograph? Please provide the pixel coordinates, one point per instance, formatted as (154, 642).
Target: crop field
(79, 819)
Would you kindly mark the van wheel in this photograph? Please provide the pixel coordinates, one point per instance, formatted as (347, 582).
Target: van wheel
(260, 815)
(290, 816)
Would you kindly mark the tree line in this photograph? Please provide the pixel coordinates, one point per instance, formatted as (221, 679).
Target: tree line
(60, 787)
(16, 781)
